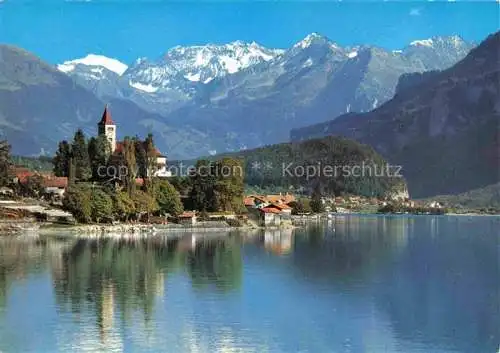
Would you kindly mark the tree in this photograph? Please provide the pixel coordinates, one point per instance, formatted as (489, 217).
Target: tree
(123, 206)
(151, 154)
(130, 163)
(101, 205)
(99, 152)
(62, 159)
(168, 198)
(72, 171)
(77, 201)
(4, 162)
(203, 181)
(81, 157)
(144, 204)
(217, 186)
(316, 201)
(229, 187)
(181, 184)
(301, 206)
(146, 155)
(141, 158)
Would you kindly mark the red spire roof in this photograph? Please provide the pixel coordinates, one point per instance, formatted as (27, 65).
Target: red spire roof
(106, 117)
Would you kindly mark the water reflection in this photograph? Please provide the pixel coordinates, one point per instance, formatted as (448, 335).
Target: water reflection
(215, 263)
(435, 278)
(445, 289)
(21, 257)
(349, 249)
(102, 271)
(353, 284)
(133, 272)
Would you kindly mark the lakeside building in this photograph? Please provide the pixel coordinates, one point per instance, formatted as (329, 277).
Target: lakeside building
(270, 210)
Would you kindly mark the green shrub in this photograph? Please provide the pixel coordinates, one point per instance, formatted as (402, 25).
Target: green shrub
(77, 201)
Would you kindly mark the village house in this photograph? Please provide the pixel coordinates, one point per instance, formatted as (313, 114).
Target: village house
(435, 204)
(271, 210)
(269, 217)
(107, 127)
(52, 185)
(187, 218)
(55, 186)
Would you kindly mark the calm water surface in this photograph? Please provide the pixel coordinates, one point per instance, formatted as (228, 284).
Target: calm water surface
(356, 284)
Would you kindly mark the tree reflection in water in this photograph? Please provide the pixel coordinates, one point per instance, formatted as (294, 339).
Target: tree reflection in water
(216, 263)
(130, 274)
(20, 257)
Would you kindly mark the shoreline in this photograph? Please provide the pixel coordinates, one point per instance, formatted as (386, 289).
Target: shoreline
(141, 229)
(14, 227)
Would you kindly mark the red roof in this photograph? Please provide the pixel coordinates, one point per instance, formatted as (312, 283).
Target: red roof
(55, 182)
(281, 199)
(270, 210)
(187, 214)
(106, 117)
(22, 174)
(49, 179)
(281, 206)
(249, 201)
(22, 177)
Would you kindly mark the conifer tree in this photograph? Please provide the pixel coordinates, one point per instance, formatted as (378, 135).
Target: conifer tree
(131, 164)
(151, 165)
(316, 202)
(203, 181)
(4, 162)
(81, 157)
(149, 148)
(99, 153)
(62, 159)
(140, 155)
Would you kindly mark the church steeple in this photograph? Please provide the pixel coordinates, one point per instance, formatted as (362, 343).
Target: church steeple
(106, 117)
(108, 128)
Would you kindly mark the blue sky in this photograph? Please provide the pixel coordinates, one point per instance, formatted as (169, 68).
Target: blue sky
(58, 30)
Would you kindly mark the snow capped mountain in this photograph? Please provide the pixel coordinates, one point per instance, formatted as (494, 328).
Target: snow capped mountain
(310, 39)
(454, 41)
(242, 94)
(96, 64)
(183, 69)
(197, 64)
(315, 41)
(424, 42)
(218, 59)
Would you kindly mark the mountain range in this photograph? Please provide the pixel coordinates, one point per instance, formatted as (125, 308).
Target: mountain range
(443, 127)
(201, 100)
(242, 95)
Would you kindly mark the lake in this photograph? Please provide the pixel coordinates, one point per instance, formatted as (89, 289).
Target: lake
(353, 284)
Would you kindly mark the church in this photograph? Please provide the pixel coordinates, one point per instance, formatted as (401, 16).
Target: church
(107, 127)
